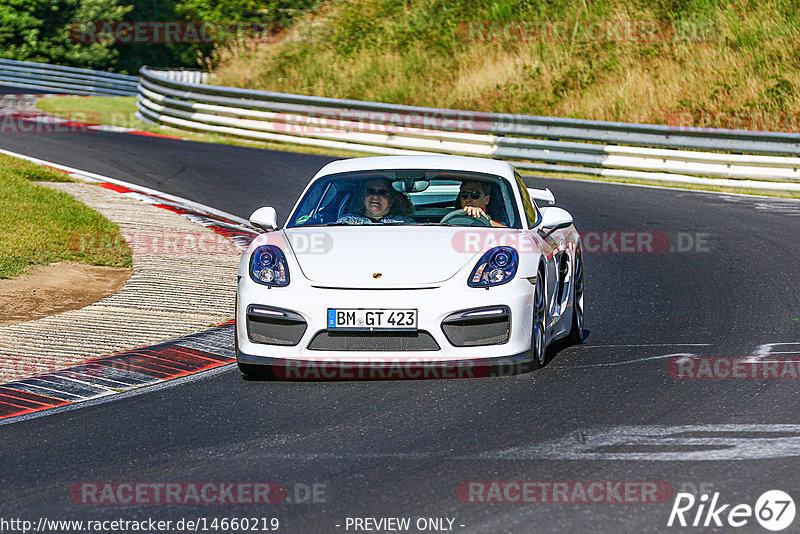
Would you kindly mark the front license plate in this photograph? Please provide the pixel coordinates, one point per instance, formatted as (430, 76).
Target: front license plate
(372, 319)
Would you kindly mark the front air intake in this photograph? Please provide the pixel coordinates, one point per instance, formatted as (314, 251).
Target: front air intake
(373, 341)
(274, 326)
(477, 327)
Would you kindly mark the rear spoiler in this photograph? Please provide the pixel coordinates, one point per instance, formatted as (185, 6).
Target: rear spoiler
(542, 195)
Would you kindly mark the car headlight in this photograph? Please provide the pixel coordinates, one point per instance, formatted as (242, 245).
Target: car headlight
(496, 267)
(268, 266)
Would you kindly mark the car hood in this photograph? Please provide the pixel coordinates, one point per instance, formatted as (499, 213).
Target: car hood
(380, 256)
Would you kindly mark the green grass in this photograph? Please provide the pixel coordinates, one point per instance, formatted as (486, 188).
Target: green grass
(120, 111)
(112, 110)
(39, 226)
(723, 56)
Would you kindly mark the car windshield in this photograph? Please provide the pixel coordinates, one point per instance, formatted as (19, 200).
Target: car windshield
(407, 197)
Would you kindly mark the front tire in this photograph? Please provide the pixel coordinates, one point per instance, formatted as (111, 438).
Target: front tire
(575, 336)
(539, 335)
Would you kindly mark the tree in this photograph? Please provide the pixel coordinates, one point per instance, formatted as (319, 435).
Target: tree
(183, 54)
(39, 30)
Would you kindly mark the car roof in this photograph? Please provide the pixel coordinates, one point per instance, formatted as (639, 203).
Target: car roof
(432, 162)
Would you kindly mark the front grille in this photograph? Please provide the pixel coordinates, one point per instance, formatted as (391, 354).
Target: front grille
(272, 326)
(373, 341)
(469, 328)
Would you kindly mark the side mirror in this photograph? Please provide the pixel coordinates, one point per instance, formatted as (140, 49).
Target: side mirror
(265, 218)
(555, 219)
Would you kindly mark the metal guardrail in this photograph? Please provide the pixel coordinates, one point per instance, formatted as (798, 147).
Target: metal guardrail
(645, 151)
(185, 75)
(57, 78)
(183, 99)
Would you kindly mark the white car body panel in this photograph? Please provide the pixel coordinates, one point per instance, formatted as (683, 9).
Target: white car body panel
(393, 251)
(420, 267)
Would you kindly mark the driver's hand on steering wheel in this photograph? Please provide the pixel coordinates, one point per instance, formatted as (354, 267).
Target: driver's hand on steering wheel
(475, 211)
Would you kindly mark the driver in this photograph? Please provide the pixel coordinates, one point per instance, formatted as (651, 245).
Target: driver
(473, 196)
(378, 203)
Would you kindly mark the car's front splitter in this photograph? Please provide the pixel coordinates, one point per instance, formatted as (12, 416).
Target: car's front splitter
(383, 368)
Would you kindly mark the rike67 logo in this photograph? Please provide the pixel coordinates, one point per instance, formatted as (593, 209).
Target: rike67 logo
(774, 510)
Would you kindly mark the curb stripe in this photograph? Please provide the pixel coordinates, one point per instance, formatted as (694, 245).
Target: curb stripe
(115, 187)
(147, 366)
(69, 387)
(15, 401)
(26, 385)
(9, 410)
(24, 395)
(236, 232)
(185, 211)
(151, 134)
(120, 372)
(105, 382)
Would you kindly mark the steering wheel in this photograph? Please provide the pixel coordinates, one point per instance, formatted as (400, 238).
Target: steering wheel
(461, 218)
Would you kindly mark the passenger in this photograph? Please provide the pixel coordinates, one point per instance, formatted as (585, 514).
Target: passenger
(380, 204)
(473, 197)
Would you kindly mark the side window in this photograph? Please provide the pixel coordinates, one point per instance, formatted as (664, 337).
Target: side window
(306, 208)
(531, 213)
(317, 205)
(330, 194)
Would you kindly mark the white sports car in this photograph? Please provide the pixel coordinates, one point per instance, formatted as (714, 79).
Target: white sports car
(409, 266)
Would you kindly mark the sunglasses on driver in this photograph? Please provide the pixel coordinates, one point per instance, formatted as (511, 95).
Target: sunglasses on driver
(381, 192)
(474, 195)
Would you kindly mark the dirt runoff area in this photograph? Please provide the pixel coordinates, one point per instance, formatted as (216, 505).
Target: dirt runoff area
(59, 287)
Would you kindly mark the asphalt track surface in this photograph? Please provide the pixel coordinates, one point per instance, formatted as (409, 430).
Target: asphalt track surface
(402, 448)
